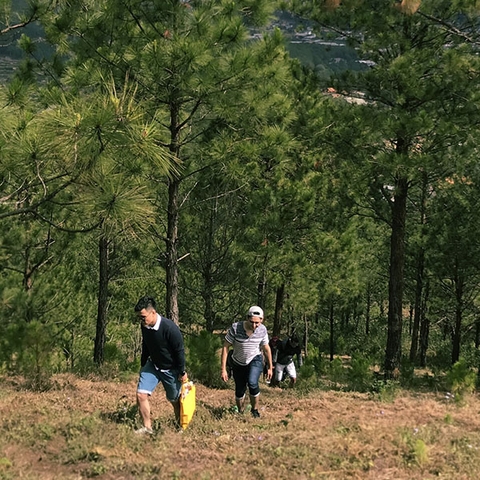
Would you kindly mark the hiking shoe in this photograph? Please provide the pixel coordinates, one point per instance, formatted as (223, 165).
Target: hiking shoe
(255, 413)
(144, 431)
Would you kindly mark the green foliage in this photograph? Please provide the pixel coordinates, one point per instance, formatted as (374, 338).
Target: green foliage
(461, 381)
(336, 372)
(125, 413)
(384, 390)
(407, 372)
(314, 363)
(27, 351)
(203, 362)
(420, 452)
(360, 374)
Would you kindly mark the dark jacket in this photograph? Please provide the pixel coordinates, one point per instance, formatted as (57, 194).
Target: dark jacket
(164, 346)
(286, 352)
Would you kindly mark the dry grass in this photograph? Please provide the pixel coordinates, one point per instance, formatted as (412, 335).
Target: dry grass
(84, 429)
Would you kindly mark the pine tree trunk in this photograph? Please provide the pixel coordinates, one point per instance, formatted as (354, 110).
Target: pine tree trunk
(418, 306)
(100, 336)
(395, 287)
(457, 331)
(420, 265)
(367, 310)
(171, 267)
(277, 319)
(332, 330)
(424, 328)
(207, 274)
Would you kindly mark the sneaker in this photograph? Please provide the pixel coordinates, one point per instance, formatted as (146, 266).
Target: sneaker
(255, 413)
(144, 431)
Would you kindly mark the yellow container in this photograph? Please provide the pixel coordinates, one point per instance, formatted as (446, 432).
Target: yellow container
(187, 403)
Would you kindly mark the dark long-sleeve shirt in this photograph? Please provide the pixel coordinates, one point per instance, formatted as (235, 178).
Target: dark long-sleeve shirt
(164, 346)
(286, 352)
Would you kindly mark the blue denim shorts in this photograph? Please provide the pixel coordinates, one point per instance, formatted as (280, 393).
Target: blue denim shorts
(150, 377)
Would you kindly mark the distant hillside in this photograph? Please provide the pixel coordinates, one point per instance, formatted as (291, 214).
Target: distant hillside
(10, 53)
(320, 51)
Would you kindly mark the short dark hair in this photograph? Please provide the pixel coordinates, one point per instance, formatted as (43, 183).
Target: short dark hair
(145, 302)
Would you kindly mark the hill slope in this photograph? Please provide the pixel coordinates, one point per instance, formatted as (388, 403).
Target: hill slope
(84, 429)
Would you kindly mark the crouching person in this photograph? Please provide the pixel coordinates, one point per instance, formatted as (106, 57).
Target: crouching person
(285, 365)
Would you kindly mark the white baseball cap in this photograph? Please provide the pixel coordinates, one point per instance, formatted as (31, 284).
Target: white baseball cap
(255, 312)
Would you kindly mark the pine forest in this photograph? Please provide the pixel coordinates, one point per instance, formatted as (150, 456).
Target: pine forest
(186, 150)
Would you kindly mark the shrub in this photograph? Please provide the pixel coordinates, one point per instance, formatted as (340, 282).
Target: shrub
(461, 380)
(384, 390)
(407, 372)
(203, 361)
(359, 375)
(30, 353)
(336, 372)
(314, 360)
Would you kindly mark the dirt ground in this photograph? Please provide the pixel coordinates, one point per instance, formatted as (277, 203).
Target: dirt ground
(84, 428)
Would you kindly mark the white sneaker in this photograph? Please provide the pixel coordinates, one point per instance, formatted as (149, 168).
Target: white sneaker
(144, 431)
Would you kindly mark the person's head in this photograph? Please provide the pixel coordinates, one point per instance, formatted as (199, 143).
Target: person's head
(146, 311)
(255, 316)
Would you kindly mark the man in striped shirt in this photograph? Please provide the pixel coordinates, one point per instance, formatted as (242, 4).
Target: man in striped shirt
(249, 339)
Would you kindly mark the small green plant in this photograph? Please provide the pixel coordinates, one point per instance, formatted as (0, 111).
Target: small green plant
(336, 372)
(359, 375)
(384, 390)
(33, 354)
(203, 361)
(125, 413)
(307, 379)
(407, 372)
(420, 452)
(461, 381)
(315, 360)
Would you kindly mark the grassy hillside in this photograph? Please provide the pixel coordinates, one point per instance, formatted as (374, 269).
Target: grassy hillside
(83, 428)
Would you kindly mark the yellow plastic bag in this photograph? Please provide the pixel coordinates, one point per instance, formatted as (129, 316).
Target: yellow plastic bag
(187, 403)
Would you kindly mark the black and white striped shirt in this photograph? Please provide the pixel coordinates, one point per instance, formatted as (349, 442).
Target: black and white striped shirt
(246, 348)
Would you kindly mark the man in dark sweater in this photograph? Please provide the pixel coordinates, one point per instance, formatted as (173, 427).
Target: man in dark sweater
(162, 360)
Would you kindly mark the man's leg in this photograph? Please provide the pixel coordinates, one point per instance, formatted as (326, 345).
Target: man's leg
(172, 386)
(279, 368)
(147, 383)
(240, 376)
(176, 410)
(255, 370)
(292, 373)
(254, 402)
(240, 402)
(143, 403)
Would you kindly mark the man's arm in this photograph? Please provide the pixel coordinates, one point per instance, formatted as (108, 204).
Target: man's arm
(226, 346)
(268, 353)
(177, 348)
(145, 353)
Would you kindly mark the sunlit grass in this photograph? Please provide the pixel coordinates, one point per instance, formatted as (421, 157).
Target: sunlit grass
(88, 430)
